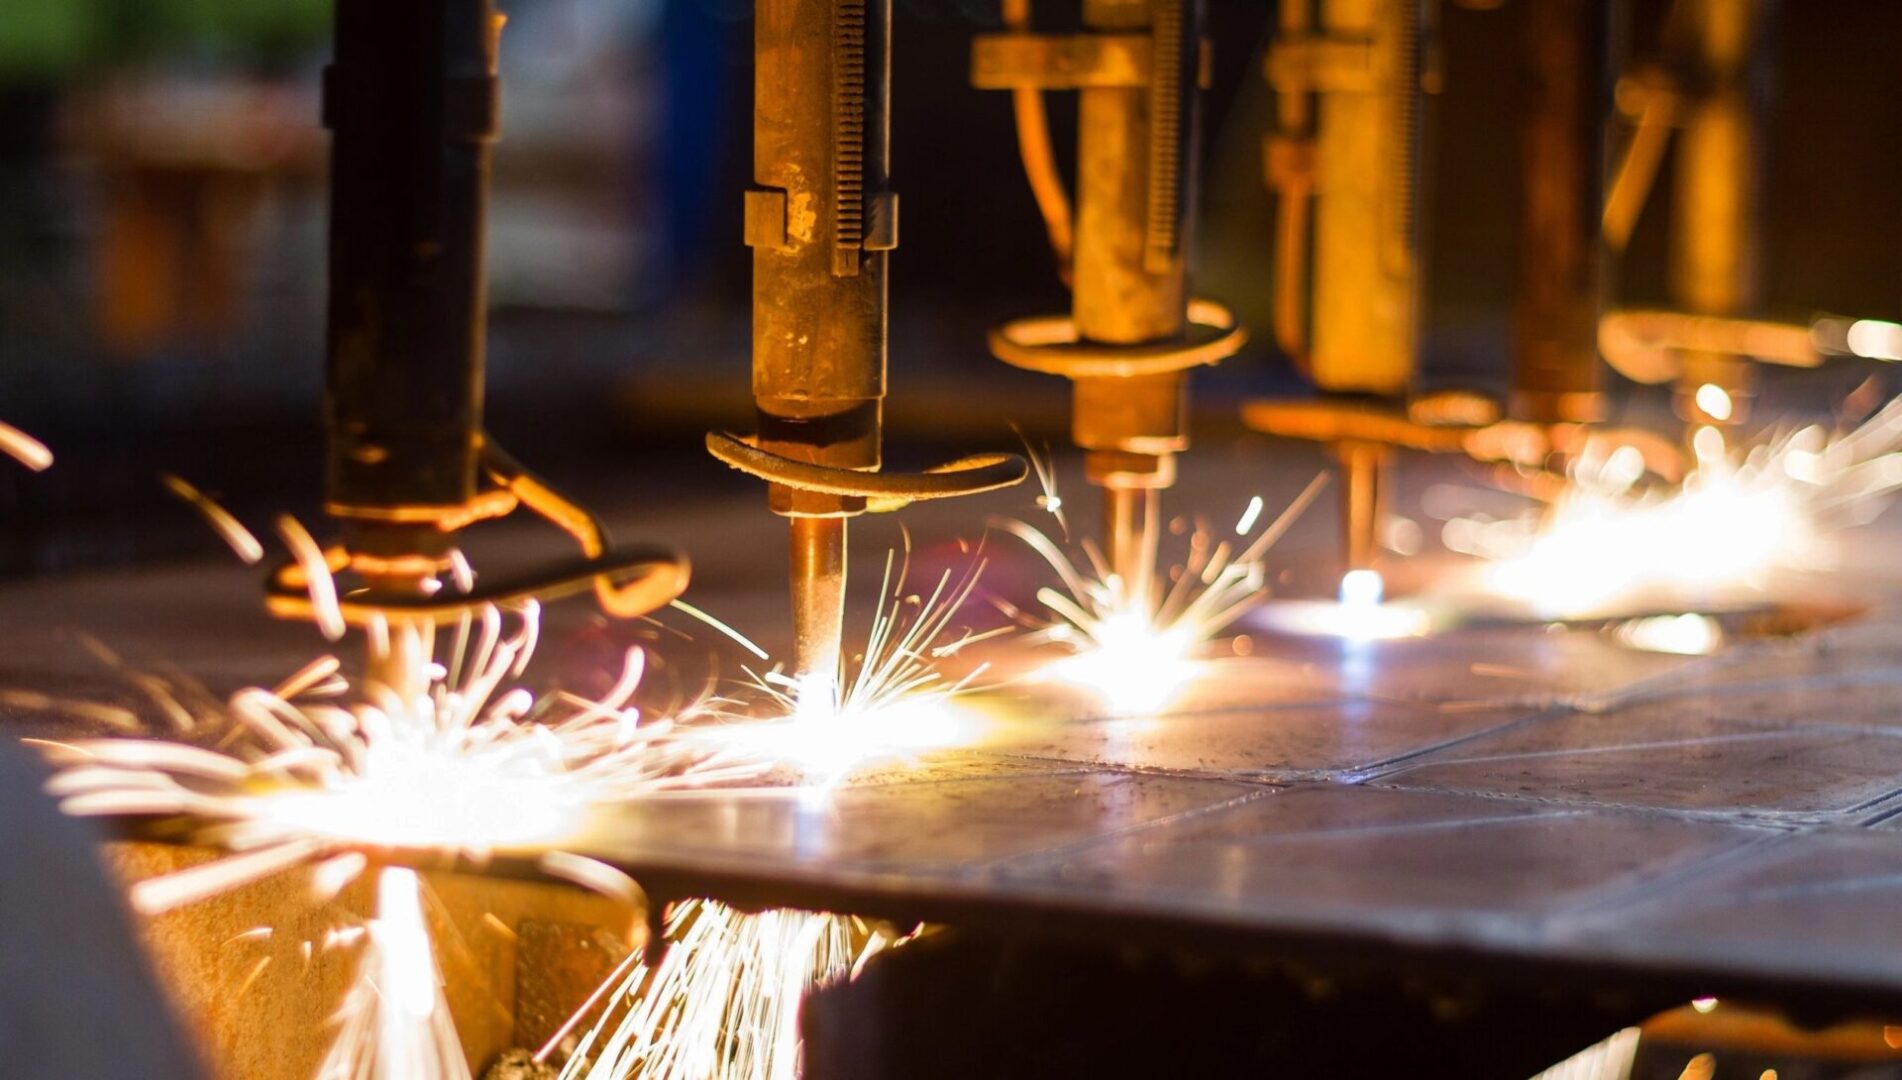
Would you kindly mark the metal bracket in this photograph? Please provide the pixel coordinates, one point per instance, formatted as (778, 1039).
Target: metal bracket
(1050, 344)
(1648, 345)
(881, 222)
(766, 225)
(1308, 65)
(881, 491)
(1511, 442)
(1018, 61)
(1060, 61)
(627, 582)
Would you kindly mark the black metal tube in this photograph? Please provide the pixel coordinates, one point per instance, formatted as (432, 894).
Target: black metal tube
(411, 103)
(1565, 98)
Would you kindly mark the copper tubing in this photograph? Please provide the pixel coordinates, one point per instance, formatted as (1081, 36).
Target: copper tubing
(1122, 298)
(1555, 369)
(1131, 522)
(1363, 500)
(818, 595)
(1291, 282)
(1638, 170)
(1040, 159)
(1714, 242)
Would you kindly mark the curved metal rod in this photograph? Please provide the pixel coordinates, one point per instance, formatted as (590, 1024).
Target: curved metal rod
(1291, 274)
(1647, 346)
(1040, 159)
(628, 583)
(625, 583)
(881, 490)
(1523, 444)
(1052, 345)
(1637, 169)
(621, 598)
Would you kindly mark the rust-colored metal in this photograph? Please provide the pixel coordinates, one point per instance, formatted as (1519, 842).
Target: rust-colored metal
(1517, 443)
(1708, 87)
(1345, 161)
(1650, 345)
(1133, 331)
(818, 593)
(1715, 234)
(821, 219)
(1365, 469)
(1555, 370)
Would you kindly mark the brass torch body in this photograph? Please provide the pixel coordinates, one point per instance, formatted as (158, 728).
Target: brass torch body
(1349, 77)
(1564, 100)
(1129, 427)
(1367, 148)
(1714, 238)
(820, 221)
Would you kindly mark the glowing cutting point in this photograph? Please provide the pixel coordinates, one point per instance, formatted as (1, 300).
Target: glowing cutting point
(1362, 589)
(1360, 614)
(1134, 650)
(1714, 401)
(1129, 665)
(893, 704)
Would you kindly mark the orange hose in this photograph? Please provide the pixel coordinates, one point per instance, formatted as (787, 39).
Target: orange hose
(1040, 159)
(1291, 299)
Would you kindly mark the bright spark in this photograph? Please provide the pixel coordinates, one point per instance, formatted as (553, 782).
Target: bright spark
(1688, 634)
(1875, 339)
(24, 448)
(1362, 589)
(1135, 653)
(464, 767)
(1714, 401)
(1743, 516)
(394, 1023)
(1361, 614)
(893, 704)
(229, 529)
(315, 774)
(722, 1001)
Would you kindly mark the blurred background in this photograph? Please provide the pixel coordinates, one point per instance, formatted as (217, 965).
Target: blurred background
(162, 219)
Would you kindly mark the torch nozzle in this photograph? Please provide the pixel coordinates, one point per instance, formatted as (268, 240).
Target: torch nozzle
(1363, 498)
(818, 598)
(1131, 531)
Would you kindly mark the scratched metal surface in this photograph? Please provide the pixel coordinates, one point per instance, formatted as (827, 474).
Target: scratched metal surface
(1517, 799)
(1729, 824)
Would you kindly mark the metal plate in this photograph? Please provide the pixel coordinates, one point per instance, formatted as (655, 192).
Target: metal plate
(1507, 803)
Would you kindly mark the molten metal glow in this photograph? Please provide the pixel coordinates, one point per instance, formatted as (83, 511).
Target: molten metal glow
(1740, 518)
(722, 1001)
(1135, 648)
(311, 774)
(895, 704)
(1689, 634)
(464, 767)
(1361, 614)
(394, 1023)
(1129, 663)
